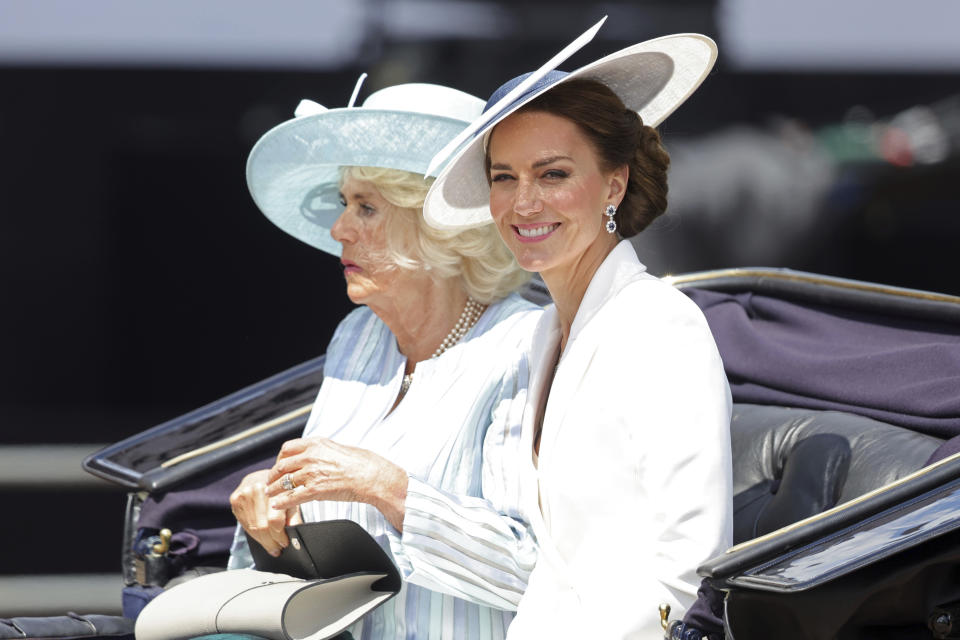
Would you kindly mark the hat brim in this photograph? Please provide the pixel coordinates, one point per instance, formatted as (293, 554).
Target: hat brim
(652, 78)
(293, 171)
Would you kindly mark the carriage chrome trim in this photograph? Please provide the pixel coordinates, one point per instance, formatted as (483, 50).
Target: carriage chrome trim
(237, 437)
(809, 278)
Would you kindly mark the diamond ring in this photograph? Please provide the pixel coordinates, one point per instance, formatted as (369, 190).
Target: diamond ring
(287, 482)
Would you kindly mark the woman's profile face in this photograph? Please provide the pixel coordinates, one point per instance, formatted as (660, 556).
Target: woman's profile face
(360, 230)
(548, 192)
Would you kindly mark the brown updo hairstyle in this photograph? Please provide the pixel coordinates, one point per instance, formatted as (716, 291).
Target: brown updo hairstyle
(619, 138)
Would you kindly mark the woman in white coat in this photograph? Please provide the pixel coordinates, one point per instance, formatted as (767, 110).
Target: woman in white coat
(626, 428)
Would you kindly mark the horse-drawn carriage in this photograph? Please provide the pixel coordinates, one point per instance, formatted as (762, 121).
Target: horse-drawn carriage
(847, 492)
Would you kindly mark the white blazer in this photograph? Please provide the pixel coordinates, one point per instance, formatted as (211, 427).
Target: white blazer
(634, 480)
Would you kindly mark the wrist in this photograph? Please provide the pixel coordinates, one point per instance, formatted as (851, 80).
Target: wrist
(391, 496)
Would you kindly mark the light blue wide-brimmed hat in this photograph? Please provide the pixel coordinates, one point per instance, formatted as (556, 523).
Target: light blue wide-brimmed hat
(293, 170)
(652, 78)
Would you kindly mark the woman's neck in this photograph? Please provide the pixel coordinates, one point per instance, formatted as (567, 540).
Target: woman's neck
(421, 316)
(568, 283)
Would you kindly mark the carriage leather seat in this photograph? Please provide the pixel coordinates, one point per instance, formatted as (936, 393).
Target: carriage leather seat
(790, 463)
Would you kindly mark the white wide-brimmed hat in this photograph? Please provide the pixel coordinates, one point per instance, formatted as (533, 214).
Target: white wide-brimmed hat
(653, 78)
(293, 170)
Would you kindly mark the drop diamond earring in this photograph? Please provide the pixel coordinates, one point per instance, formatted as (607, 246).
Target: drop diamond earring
(611, 224)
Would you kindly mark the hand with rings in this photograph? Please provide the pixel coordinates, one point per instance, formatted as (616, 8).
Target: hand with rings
(264, 523)
(320, 469)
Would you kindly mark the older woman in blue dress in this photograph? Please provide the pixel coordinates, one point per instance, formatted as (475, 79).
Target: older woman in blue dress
(415, 431)
(626, 447)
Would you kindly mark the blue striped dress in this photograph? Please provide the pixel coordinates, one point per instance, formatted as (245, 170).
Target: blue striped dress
(465, 551)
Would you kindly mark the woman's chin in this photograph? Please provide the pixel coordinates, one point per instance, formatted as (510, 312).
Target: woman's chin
(357, 294)
(532, 260)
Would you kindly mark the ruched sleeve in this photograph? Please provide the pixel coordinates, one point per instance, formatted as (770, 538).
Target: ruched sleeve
(480, 549)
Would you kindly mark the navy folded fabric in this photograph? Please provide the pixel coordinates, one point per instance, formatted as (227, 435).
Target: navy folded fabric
(898, 370)
(947, 449)
(198, 512)
(135, 597)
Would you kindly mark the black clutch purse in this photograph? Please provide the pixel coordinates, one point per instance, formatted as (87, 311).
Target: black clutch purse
(329, 549)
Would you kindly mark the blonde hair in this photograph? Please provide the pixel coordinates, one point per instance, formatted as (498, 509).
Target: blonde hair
(486, 268)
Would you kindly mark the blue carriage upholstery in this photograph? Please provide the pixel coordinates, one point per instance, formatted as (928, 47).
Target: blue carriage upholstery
(840, 387)
(827, 343)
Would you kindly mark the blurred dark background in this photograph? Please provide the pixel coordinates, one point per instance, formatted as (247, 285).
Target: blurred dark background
(139, 281)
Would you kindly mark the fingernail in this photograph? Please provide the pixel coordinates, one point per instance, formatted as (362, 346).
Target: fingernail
(275, 553)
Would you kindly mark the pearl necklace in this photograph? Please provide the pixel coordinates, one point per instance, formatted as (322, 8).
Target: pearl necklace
(468, 317)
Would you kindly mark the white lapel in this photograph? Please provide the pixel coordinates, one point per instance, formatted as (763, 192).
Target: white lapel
(619, 268)
(616, 271)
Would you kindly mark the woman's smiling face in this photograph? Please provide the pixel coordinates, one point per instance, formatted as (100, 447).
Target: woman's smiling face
(548, 191)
